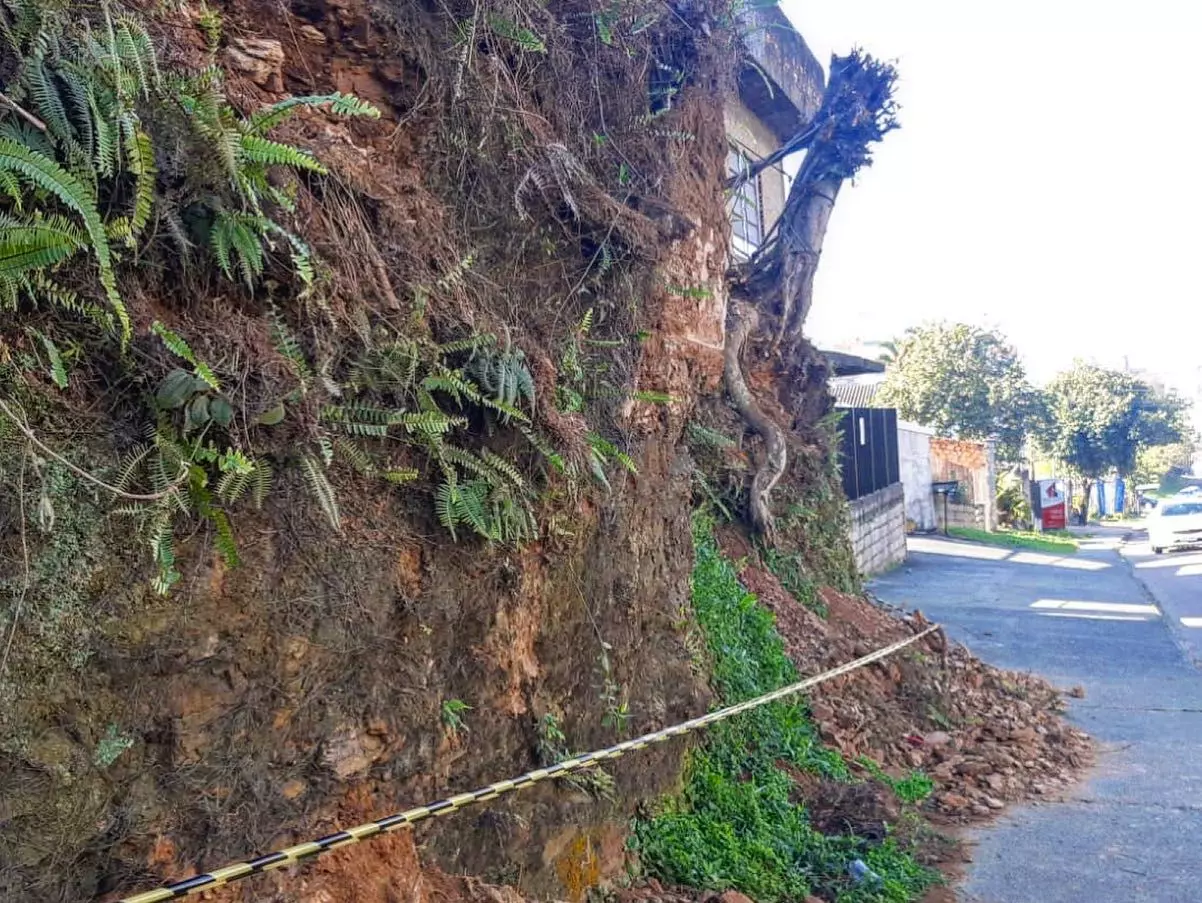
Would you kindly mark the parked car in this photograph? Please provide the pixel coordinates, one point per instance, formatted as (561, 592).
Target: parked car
(1176, 522)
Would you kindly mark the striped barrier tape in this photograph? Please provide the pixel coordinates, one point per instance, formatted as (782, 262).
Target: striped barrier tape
(300, 852)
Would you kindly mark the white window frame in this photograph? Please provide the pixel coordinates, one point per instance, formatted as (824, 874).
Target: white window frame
(744, 202)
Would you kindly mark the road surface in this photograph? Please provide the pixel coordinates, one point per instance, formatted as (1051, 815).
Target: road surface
(1175, 581)
(1133, 831)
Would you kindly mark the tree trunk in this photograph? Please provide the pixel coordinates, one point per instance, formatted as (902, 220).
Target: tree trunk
(743, 320)
(1088, 483)
(857, 110)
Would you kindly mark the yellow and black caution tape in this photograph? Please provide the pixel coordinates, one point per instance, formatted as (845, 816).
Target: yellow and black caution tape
(290, 855)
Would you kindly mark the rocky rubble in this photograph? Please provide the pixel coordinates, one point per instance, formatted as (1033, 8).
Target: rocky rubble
(986, 736)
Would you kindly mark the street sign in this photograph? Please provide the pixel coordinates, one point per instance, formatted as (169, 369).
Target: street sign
(1053, 505)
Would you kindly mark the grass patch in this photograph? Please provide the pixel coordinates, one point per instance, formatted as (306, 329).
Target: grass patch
(735, 824)
(1058, 542)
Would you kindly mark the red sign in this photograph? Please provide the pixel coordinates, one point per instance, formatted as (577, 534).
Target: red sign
(1054, 518)
(1053, 505)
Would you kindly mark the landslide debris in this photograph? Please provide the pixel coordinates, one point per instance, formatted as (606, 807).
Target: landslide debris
(986, 736)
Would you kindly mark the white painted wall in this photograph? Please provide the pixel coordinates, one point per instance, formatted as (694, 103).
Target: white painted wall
(914, 463)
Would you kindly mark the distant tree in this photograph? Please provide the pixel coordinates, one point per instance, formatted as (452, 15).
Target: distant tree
(887, 353)
(964, 381)
(1098, 421)
(1153, 465)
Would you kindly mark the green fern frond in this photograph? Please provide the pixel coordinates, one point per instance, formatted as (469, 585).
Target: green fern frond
(129, 466)
(286, 343)
(359, 411)
(507, 412)
(224, 539)
(652, 397)
(703, 435)
(504, 467)
(232, 485)
(355, 456)
(302, 257)
(48, 102)
(107, 140)
(524, 37)
(489, 467)
(12, 188)
(543, 446)
(326, 447)
(37, 244)
(446, 506)
(473, 506)
(626, 461)
(141, 163)
(400, 475)
(77, 87)
(58, 370)
(43, 173)
(468, 343)
(429, 423)
(315, 476)
(179, 347)
(451, 382)
(392, 368)
(137, 52)
(356, 428)
(237, 238)
(266, 119)
(266, 152)
(260, 482)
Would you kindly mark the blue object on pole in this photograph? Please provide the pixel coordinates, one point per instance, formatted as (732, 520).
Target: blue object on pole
(1101, 487)
(1120, 496)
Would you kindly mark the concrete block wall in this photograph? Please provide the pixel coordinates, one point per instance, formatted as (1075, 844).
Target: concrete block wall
(878, 530)
(960, 515)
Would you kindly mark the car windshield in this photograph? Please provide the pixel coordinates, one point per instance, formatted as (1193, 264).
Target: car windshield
(1180, 509)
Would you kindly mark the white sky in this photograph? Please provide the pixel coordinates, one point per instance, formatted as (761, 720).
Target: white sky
(1047, 179)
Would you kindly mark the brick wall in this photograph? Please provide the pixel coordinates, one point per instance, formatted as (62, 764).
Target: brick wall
(878, 530)
(972, 465)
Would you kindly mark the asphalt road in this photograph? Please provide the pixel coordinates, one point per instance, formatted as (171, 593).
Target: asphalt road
(1175, 580)
(1133, 830)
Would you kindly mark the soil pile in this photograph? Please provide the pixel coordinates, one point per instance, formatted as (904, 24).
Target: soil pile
(984, 735)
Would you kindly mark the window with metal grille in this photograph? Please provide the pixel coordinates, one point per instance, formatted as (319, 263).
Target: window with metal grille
(746, 205)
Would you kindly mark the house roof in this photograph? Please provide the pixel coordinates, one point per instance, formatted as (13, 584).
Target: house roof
(783, 83)
(853, 392)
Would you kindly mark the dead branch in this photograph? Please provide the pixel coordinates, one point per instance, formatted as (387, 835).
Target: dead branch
(22, 112)
(29, 434)
(857, 111)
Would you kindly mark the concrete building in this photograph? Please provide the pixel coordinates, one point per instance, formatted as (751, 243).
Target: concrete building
(778, 94)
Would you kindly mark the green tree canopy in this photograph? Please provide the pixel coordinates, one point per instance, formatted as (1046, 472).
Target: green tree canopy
(1153, 464)
(964, 381)
(1100, 420)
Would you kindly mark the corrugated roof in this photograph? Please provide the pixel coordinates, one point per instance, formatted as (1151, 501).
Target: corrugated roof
(854, 392)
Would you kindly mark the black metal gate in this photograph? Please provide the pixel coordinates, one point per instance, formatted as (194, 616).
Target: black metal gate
(868, 450)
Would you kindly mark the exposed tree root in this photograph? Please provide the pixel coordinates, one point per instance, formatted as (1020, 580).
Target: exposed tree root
(742, 321)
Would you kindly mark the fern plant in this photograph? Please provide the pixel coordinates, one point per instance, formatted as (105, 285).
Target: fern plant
(84, 102)
(426, 396)
(215, 481)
